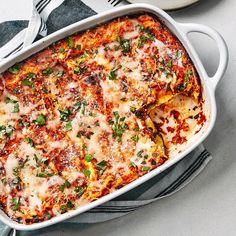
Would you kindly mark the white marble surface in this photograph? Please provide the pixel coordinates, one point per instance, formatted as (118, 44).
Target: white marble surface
(207, 206)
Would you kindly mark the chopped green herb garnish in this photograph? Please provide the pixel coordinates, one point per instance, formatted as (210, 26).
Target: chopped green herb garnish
(145, 38)
(45, 90)
(47, 71)
(61, 50)
(40, 120)
(29, 141)
(16, 90)
(136, 129)
(15, 203)
(14, 69)
(88, 157)
(26, 82)
(132, 164)
(86, 172)
(44, 174)
(60, 73)
(139, 154)
(133, 109)
(196, 116)
(16, 104)
(154, 162)
(186, 77)
(9, 100)
(70, 205)
(77, 70)
(118, 126)
(70, 42)
(124, 43)
(31, 75)
(145, 168)
(68, 126)
(6, 130)
(101, 167)
(47, 215)
(178, 54)
(62, 207)
(40, 162)
(64, 115)
(112, 75)
(141, 27)
(135, 138)
(79, 190)
(170, 63)
(66, 184)
(16, 108)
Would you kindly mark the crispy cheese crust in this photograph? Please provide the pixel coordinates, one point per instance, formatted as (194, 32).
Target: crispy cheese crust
(74, 123)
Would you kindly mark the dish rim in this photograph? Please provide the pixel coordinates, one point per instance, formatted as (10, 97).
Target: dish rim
(181, 31)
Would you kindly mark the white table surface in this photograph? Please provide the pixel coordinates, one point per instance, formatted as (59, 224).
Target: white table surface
(207, 206)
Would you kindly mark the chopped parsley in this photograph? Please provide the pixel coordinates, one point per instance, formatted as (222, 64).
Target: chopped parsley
(86, 172)
(27, 82)
(88, 157)
(15, 203)
(101, 167)
(7, 130)
(186, 77)
(145, 168)
(44, 174)
(70, 204)
(16, 104)
(145, 38)
(135, 138)
(133, 164)
(40, 120)
(16, 108)
(133, 109)
(77, 70)
(124, 43)
(118, 126)
(79, 190)
(31, 75)
(66, 184)
(60, 73)
(29, 141)
(64, 115)
(70, 42)
(68, 126)
(61, 50)
(9, 100)
(178, 54)
(112, 75)
(154, 162)
(47, 215)
(170, 63)
(47, 71)
(139, 154)
(14, 69)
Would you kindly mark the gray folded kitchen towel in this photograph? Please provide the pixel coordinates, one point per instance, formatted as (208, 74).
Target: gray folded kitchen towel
(47, 17)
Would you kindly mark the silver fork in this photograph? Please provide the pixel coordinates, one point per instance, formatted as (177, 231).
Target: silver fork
(114, 2)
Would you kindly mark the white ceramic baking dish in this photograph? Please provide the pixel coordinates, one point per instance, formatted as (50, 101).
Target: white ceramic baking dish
(181, 30)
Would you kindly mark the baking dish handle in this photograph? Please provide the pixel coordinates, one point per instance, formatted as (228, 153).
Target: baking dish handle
(223, 50)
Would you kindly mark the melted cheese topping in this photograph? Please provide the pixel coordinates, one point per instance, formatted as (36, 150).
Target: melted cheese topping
(74, 118)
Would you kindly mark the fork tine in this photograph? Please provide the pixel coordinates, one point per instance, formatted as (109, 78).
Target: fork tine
(119, 1)
(113, 1)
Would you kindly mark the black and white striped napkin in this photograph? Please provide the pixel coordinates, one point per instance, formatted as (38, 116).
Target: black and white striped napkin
(49, 16)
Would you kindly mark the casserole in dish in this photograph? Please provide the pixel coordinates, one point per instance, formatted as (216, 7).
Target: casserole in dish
(27, 74)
